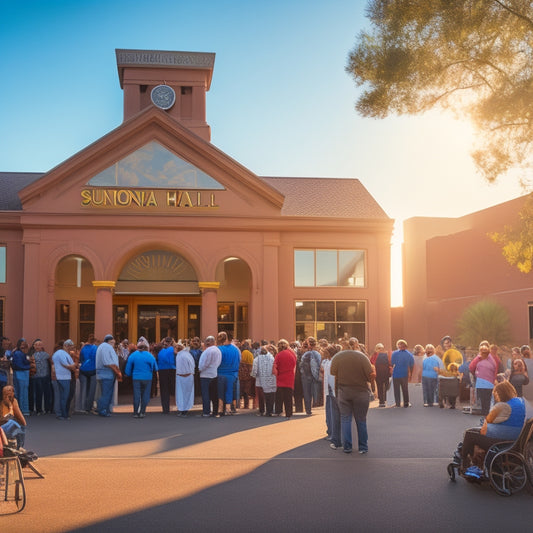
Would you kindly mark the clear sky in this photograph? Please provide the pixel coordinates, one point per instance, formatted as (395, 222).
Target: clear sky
(280, 102)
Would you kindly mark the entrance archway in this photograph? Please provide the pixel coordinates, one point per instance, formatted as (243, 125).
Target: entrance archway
(157, 296)
(235, 279)
(74, 294)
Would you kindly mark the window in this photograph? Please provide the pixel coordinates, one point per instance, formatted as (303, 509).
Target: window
(2, 264)
(530, 310)
(62, 320)
(86, 321)
(330, 319)
(120, 321)
(2, 315)
(233, 318)
(329, 268)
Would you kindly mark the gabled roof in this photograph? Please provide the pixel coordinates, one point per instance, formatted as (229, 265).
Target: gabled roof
(326, 197)
(10, 185)
(147, 125)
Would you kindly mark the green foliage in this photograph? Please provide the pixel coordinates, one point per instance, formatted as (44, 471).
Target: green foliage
(482, 320)
(474, 57)
(517, 240)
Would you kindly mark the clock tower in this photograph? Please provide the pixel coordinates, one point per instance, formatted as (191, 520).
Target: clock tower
(176, 82)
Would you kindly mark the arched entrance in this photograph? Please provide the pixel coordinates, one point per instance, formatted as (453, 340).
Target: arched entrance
(233, 303)
(157, 296)
(74, 299)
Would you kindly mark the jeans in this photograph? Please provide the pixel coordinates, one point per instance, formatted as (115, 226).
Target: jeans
(141, 395)
(106, 396)
(21, 380)
(328, 415)
(335, 419)
(266, 401)
(64, 393)
(403, 384)
(284, 399)
(307, 386)
(167, 386)
(13, 430)
(353, 402)
(88, 389)
(484, 396)
(429, 386)
(226, 388)
(206, 399)
(382, 386)
(43, 391)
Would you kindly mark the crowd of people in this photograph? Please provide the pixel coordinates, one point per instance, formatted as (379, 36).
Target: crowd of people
(278, 378)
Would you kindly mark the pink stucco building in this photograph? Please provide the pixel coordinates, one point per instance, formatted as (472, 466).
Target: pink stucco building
(152, 230)
(451, 263)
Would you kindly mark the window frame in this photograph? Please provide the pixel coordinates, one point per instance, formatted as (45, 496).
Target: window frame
(310, 323)
(319, 283)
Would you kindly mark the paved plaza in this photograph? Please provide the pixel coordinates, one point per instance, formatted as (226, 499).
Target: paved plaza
(248, 473)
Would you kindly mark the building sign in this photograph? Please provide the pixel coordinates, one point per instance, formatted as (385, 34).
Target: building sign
(147, 198)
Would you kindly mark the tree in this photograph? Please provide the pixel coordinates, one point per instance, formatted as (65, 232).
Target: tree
(482, 320)
(474, 57)
(517, 240)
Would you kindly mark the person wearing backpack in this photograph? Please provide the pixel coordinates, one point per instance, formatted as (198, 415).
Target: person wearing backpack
(310, 372)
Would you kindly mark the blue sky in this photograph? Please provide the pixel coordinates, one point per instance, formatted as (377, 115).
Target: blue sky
(280, 101)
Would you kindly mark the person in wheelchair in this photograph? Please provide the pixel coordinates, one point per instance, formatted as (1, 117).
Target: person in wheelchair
(503, 423)
(12, 420)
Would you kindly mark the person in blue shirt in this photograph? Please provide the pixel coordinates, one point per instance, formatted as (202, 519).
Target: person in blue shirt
(140, 367)
(227, 372)
(430, 375)
(402, 362)
(88, 373)
(20, 363)
(166, 363)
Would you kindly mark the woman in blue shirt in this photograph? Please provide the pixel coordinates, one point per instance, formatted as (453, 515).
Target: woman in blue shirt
(140, 367)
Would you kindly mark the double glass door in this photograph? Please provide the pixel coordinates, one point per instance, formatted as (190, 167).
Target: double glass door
(156, 318)
(155, 322)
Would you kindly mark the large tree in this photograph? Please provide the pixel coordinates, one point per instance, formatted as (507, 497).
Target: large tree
(474, 57)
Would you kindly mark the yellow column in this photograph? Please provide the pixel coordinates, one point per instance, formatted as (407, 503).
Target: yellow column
(103, 309)
(209, 322)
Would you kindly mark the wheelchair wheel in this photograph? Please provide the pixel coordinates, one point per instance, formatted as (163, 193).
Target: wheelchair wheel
(507, 473)
(451, 471)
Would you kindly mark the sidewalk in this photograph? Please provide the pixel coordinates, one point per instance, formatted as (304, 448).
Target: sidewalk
(248, 473)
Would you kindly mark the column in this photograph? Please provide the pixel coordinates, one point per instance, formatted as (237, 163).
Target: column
(30, 299)
(209, 322)
(103, 309)
(271, 309)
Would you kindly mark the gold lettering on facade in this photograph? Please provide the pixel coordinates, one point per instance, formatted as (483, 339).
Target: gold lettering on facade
(147, 198)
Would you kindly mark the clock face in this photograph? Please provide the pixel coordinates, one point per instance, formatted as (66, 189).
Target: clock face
(163, 96)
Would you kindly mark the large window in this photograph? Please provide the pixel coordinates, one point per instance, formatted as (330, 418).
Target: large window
(2, 264)
(233, 318)
(329, 268)
(330, 319)
(86, 321)
(62, 320)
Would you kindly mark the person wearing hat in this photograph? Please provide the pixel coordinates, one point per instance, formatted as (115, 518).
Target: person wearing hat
(107, 370)
(63, 366)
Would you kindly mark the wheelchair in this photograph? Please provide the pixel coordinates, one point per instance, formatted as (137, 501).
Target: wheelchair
(508, 465)
(12, 490)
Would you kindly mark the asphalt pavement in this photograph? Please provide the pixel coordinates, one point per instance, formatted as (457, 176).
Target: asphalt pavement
(247, 473)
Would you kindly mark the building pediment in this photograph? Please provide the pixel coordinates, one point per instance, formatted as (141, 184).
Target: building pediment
(151, 163)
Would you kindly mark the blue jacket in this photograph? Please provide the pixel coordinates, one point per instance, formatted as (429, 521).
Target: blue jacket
(141, 365)
(166, 359)
(20, 361)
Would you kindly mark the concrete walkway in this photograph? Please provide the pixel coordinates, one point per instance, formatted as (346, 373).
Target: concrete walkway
(247, 473)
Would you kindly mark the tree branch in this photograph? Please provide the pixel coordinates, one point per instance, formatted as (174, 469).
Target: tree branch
(514, 12)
